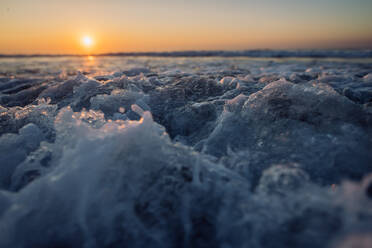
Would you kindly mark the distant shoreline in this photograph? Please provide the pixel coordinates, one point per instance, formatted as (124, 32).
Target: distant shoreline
(246, 53)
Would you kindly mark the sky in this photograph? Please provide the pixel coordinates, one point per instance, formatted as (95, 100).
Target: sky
(58, 26)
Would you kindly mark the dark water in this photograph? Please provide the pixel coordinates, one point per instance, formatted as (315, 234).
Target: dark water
(114, 151)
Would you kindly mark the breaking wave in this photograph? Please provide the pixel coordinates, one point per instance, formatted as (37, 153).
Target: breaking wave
(186, 153)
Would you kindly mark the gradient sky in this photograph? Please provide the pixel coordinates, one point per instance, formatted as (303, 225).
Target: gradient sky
(57, 26)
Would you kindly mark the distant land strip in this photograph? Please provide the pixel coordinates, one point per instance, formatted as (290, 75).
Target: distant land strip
(245, 53)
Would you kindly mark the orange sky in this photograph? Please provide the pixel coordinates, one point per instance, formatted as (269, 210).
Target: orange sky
(57, 27)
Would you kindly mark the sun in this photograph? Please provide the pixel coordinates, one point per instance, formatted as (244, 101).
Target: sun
(87, 41)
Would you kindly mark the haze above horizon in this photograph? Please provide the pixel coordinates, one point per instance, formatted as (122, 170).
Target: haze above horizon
(58, 27)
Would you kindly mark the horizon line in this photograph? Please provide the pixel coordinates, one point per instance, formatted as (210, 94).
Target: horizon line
(316, 53)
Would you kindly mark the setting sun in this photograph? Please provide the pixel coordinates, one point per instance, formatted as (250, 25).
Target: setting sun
(87, 41)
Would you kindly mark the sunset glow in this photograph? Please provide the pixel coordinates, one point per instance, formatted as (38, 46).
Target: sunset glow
(41, 26)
